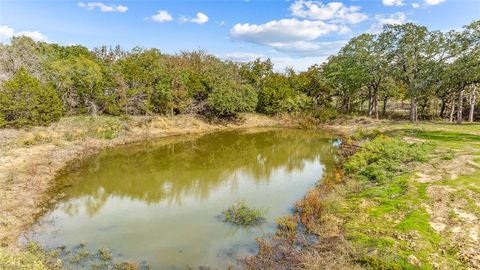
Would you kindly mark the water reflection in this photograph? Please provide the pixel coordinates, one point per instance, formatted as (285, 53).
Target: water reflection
(158, 201)
(190, 166)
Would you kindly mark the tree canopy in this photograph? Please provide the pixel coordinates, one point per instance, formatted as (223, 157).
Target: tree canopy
(437, 72)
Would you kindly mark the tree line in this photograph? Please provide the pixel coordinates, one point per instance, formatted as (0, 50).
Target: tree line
(438, 72)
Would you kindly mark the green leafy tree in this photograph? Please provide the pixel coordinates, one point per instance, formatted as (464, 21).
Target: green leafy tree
(410, 51)
(227, 100)
(81, 83)
(24, 101)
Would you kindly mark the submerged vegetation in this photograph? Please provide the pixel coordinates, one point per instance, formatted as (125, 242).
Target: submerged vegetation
(241, 214)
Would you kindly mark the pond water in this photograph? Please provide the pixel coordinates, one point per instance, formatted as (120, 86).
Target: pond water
(160, 202)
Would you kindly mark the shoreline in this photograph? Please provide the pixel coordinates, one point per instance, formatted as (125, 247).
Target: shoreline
(427, 204)
(32, 159)
(345, 205)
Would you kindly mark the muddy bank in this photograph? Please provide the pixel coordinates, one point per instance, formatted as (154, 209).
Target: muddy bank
(30, 159)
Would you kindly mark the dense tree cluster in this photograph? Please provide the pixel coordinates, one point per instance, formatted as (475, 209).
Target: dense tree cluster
(438, 72)
(434, 70)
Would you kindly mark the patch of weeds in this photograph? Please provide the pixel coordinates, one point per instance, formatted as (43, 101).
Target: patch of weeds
(470, 182)
(241, 214)
(365, 134)
(383, 158)
(418, 221)
(31, 257)
(453, 216)
(105, 254)
(127, 266)
(287, 226)
(448, 156)
(447, 139)
(386, 222)
(106, 133)
(311, 208)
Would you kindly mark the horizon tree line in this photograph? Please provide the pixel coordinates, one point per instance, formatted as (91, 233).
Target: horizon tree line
(437, 72)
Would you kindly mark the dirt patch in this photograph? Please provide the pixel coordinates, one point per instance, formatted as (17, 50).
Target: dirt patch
(412, 140)
(453, 222)
(31, 158)
(439, 169)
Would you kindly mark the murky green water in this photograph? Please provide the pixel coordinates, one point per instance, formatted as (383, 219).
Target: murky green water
(159, 202)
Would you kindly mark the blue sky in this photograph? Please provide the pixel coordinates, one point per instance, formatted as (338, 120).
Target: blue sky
(295, 33)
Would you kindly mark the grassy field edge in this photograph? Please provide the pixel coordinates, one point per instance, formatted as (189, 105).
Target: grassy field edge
(409, 198)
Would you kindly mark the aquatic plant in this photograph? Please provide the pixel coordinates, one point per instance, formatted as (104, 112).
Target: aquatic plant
(242, 215)
(287, 226)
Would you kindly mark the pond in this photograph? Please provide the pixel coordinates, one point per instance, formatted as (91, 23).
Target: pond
(160, 201)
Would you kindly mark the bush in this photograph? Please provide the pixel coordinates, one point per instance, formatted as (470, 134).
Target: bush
(384, 157)
(277, 96)
(242, 215)
(227, 101)
(311, 207)
(24, 101)
(3, 122)
(287, 226)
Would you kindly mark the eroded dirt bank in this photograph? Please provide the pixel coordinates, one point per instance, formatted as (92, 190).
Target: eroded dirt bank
(31, 158)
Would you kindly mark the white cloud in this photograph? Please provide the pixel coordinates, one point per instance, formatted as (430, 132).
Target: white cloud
(415, 5)
(241, 57)
(434, 2)
(7, 33)
(200, 19)
(333, 11)
(35, 35)
(307, 48)
(343, 30)
(162, 16)
(390, 3)
(282, 31)
(103, 7)
(298, 37)
(298, 64)
(279, 62)
(381, 20)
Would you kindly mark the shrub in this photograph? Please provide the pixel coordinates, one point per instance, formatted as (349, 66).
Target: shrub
(3, 122)
(311, 207)
(287, 226)
(242, 215)
(24, 101)
(384, 157)
(228, 100)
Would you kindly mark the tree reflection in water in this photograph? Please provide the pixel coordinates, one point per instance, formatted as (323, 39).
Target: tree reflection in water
(170, 169)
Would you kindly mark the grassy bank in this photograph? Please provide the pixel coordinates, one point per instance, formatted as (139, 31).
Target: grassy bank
(31, 158)
(407, 199)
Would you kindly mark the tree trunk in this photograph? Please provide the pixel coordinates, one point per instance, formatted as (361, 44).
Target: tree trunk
(452, 111)
(442, 108)
(376, 106)
(460, 107)
(473, 100)
(370, 102)
(413, 110)
(384, 110)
